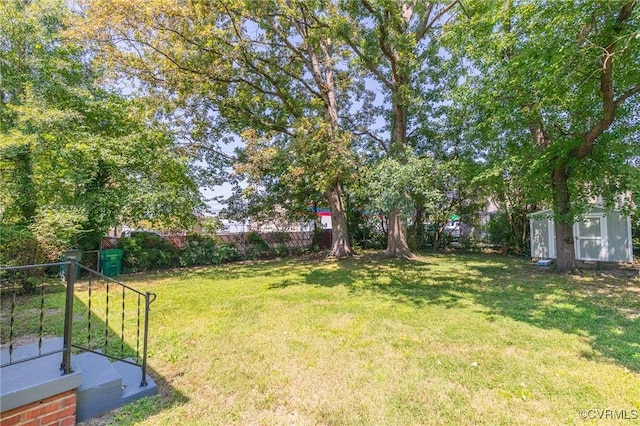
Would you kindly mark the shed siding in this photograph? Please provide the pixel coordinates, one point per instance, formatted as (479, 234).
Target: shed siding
(613, 245)
(618, 234)
(540, 243)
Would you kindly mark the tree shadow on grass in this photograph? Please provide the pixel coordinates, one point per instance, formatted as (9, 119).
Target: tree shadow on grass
(604, 309)
(601, 311)
(228, 271)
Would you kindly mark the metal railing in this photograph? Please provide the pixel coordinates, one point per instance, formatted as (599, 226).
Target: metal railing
(25, 289)
(101, 315)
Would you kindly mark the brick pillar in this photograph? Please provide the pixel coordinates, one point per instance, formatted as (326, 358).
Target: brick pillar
(59, 410)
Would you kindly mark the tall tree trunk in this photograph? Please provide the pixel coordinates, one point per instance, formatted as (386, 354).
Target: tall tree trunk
(565, 247)
(340, 245)
(397, 245)
(324, 78)
(397, 236)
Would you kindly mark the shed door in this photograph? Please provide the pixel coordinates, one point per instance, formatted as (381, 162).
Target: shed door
(591, 240)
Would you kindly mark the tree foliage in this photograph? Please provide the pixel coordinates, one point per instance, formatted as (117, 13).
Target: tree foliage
(396, 44)
(567, 74)
(393, 183)
(76, 158)
(423, 108)
(264, 71)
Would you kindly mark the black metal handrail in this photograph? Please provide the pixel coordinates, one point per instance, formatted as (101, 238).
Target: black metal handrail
(112, 345)
(16, 281)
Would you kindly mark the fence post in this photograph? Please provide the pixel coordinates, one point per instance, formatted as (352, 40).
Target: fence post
(68, 316)
(147, 302)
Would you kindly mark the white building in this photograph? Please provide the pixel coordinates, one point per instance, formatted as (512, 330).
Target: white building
(600, 235)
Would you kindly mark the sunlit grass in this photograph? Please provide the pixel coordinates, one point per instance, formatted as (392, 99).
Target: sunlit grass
(455, 339)
(446, 339)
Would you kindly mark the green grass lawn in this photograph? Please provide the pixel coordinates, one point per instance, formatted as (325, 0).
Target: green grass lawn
(443, 339)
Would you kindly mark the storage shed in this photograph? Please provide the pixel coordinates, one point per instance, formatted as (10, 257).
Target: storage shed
(601, 235)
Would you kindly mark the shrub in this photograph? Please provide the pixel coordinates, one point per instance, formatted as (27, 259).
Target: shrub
(437, 238)
(199, 250)
(365, 231)
(19, 246)
(227, 253)
(258, 247)
(283, 239)
(501, 234)
(202, 250)
(144, 251)
(57, 230)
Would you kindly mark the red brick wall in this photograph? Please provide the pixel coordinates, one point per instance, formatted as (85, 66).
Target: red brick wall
(59, 410)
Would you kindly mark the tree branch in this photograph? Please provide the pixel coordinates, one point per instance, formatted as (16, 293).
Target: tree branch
(609, 105)
(363, 131)
(424, 27)
(626, 95)
(539, 134)
(370, 65)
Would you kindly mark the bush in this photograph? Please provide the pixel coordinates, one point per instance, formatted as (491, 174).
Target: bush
(282, 239)
(227, 253)
(57, 230)
(471, 243)
(19, 247)
(145, 251)
(199, 250)
(258, 247)
(365, 231)
(436, 238)
(501, 234)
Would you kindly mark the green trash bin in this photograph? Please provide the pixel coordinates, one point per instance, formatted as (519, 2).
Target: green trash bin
(65, 256)
(111, 262)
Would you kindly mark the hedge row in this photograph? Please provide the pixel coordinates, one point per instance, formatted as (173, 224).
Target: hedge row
(147, 251)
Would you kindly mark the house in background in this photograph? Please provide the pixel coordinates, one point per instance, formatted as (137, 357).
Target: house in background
(601, 235)
(325, 218)
(278, 222)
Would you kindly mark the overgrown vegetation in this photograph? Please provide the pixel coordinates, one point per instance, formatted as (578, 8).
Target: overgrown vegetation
(19, 246)
(145, 251)
(205, 250)
(76, 157)
(501, 232)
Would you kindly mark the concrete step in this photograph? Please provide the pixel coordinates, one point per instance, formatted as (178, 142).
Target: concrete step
(131, 380)
(35, 379)
(107, 386)
(101, 387)
(22, 351)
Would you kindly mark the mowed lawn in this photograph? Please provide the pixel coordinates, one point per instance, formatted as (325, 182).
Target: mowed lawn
(443, 339)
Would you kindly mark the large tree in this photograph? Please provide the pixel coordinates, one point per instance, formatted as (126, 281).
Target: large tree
(263, 70)
(396, 43)
(568, 74)
(315, 150)
(73, 155)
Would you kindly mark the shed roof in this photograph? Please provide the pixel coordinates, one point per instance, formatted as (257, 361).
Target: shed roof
(549, 212)
(545, 212)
